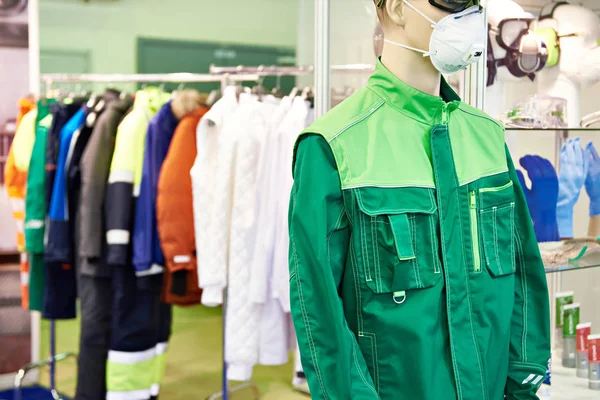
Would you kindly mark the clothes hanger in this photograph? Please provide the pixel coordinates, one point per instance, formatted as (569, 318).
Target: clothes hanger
(259, 90)
(277, 91)
(212, 97)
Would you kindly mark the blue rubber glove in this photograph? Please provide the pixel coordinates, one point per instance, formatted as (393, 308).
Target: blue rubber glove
(573, 171)
(592, 181)
(542, 197)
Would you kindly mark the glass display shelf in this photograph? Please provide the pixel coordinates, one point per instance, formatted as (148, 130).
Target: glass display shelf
(571, 266)
(584, 260)
(512, 128)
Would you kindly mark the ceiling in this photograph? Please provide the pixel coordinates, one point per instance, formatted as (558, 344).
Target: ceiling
(534, 6)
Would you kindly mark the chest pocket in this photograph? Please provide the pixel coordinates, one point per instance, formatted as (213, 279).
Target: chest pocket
(497, 215)
(398, 239)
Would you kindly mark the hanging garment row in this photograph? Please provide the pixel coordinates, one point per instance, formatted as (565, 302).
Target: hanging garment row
(241, 184)
(111, 217)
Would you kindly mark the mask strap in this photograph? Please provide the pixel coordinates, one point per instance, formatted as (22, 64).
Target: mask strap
(425, 53)
(415, 9)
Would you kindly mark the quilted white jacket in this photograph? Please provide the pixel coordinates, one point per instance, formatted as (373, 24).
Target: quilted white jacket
(211, 268)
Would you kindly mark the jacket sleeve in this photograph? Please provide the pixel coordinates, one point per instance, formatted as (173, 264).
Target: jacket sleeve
(35, 199)
(146, 261)
(319, 240)
(175, 217)
(95, 165)
(530, 328)
(52, 148)
(15, 186)
(119, 200)
(22, 145)
(214, 264)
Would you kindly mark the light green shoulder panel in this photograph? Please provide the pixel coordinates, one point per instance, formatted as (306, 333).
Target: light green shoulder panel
(375, 144)
(346, 114)
(477, 144)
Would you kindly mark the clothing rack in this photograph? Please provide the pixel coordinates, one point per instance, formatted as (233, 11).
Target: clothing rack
(276, 70)
(52, 79)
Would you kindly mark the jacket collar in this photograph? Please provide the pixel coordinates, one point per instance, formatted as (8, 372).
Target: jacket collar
(419, 105)
(150, 99)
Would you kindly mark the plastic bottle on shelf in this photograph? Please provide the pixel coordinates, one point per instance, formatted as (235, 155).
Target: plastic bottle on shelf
(562, 299)
(581, 356)
(569, 334)
(594, 361)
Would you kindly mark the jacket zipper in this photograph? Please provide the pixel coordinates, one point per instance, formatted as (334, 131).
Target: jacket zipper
(475, 232)
(496, 189)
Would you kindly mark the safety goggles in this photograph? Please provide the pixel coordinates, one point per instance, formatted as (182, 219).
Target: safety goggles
(451, 6)
(510, 30)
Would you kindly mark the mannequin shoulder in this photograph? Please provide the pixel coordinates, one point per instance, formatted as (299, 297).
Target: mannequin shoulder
(353, 111)
(481, 119)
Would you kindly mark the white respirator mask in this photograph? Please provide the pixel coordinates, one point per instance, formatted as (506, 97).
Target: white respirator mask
(457, 41)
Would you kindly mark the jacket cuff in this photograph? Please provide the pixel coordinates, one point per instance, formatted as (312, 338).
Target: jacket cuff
(182, 262)
(179, 283)
(117, 254)
(524, 380)
(212, 296)
(150, 283)
(239, 372)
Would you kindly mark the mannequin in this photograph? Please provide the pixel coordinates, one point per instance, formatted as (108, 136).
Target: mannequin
(403, 197)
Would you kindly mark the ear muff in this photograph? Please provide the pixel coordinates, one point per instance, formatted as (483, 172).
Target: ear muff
(552, 41)
(547, 11)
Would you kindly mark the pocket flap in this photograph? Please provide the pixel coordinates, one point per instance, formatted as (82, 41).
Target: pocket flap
(383, 201)
(402, 236)
(496, 196)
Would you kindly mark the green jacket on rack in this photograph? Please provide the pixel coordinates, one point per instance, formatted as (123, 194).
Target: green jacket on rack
(414, 268)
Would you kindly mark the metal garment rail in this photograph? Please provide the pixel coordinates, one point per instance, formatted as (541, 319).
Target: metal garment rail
(276, 70)
(50, 80)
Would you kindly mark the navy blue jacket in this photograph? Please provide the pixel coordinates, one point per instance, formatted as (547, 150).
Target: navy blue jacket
(148, 257)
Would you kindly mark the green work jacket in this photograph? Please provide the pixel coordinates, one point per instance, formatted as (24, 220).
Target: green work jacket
(35, 199)
(414, 268)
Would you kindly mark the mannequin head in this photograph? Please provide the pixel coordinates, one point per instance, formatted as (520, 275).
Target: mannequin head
(402, 24)
(499, 10)
(422, 39)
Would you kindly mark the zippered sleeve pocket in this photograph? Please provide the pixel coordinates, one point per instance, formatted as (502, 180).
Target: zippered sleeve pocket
(496, 219)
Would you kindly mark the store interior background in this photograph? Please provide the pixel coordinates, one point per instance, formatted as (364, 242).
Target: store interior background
(108, 36)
